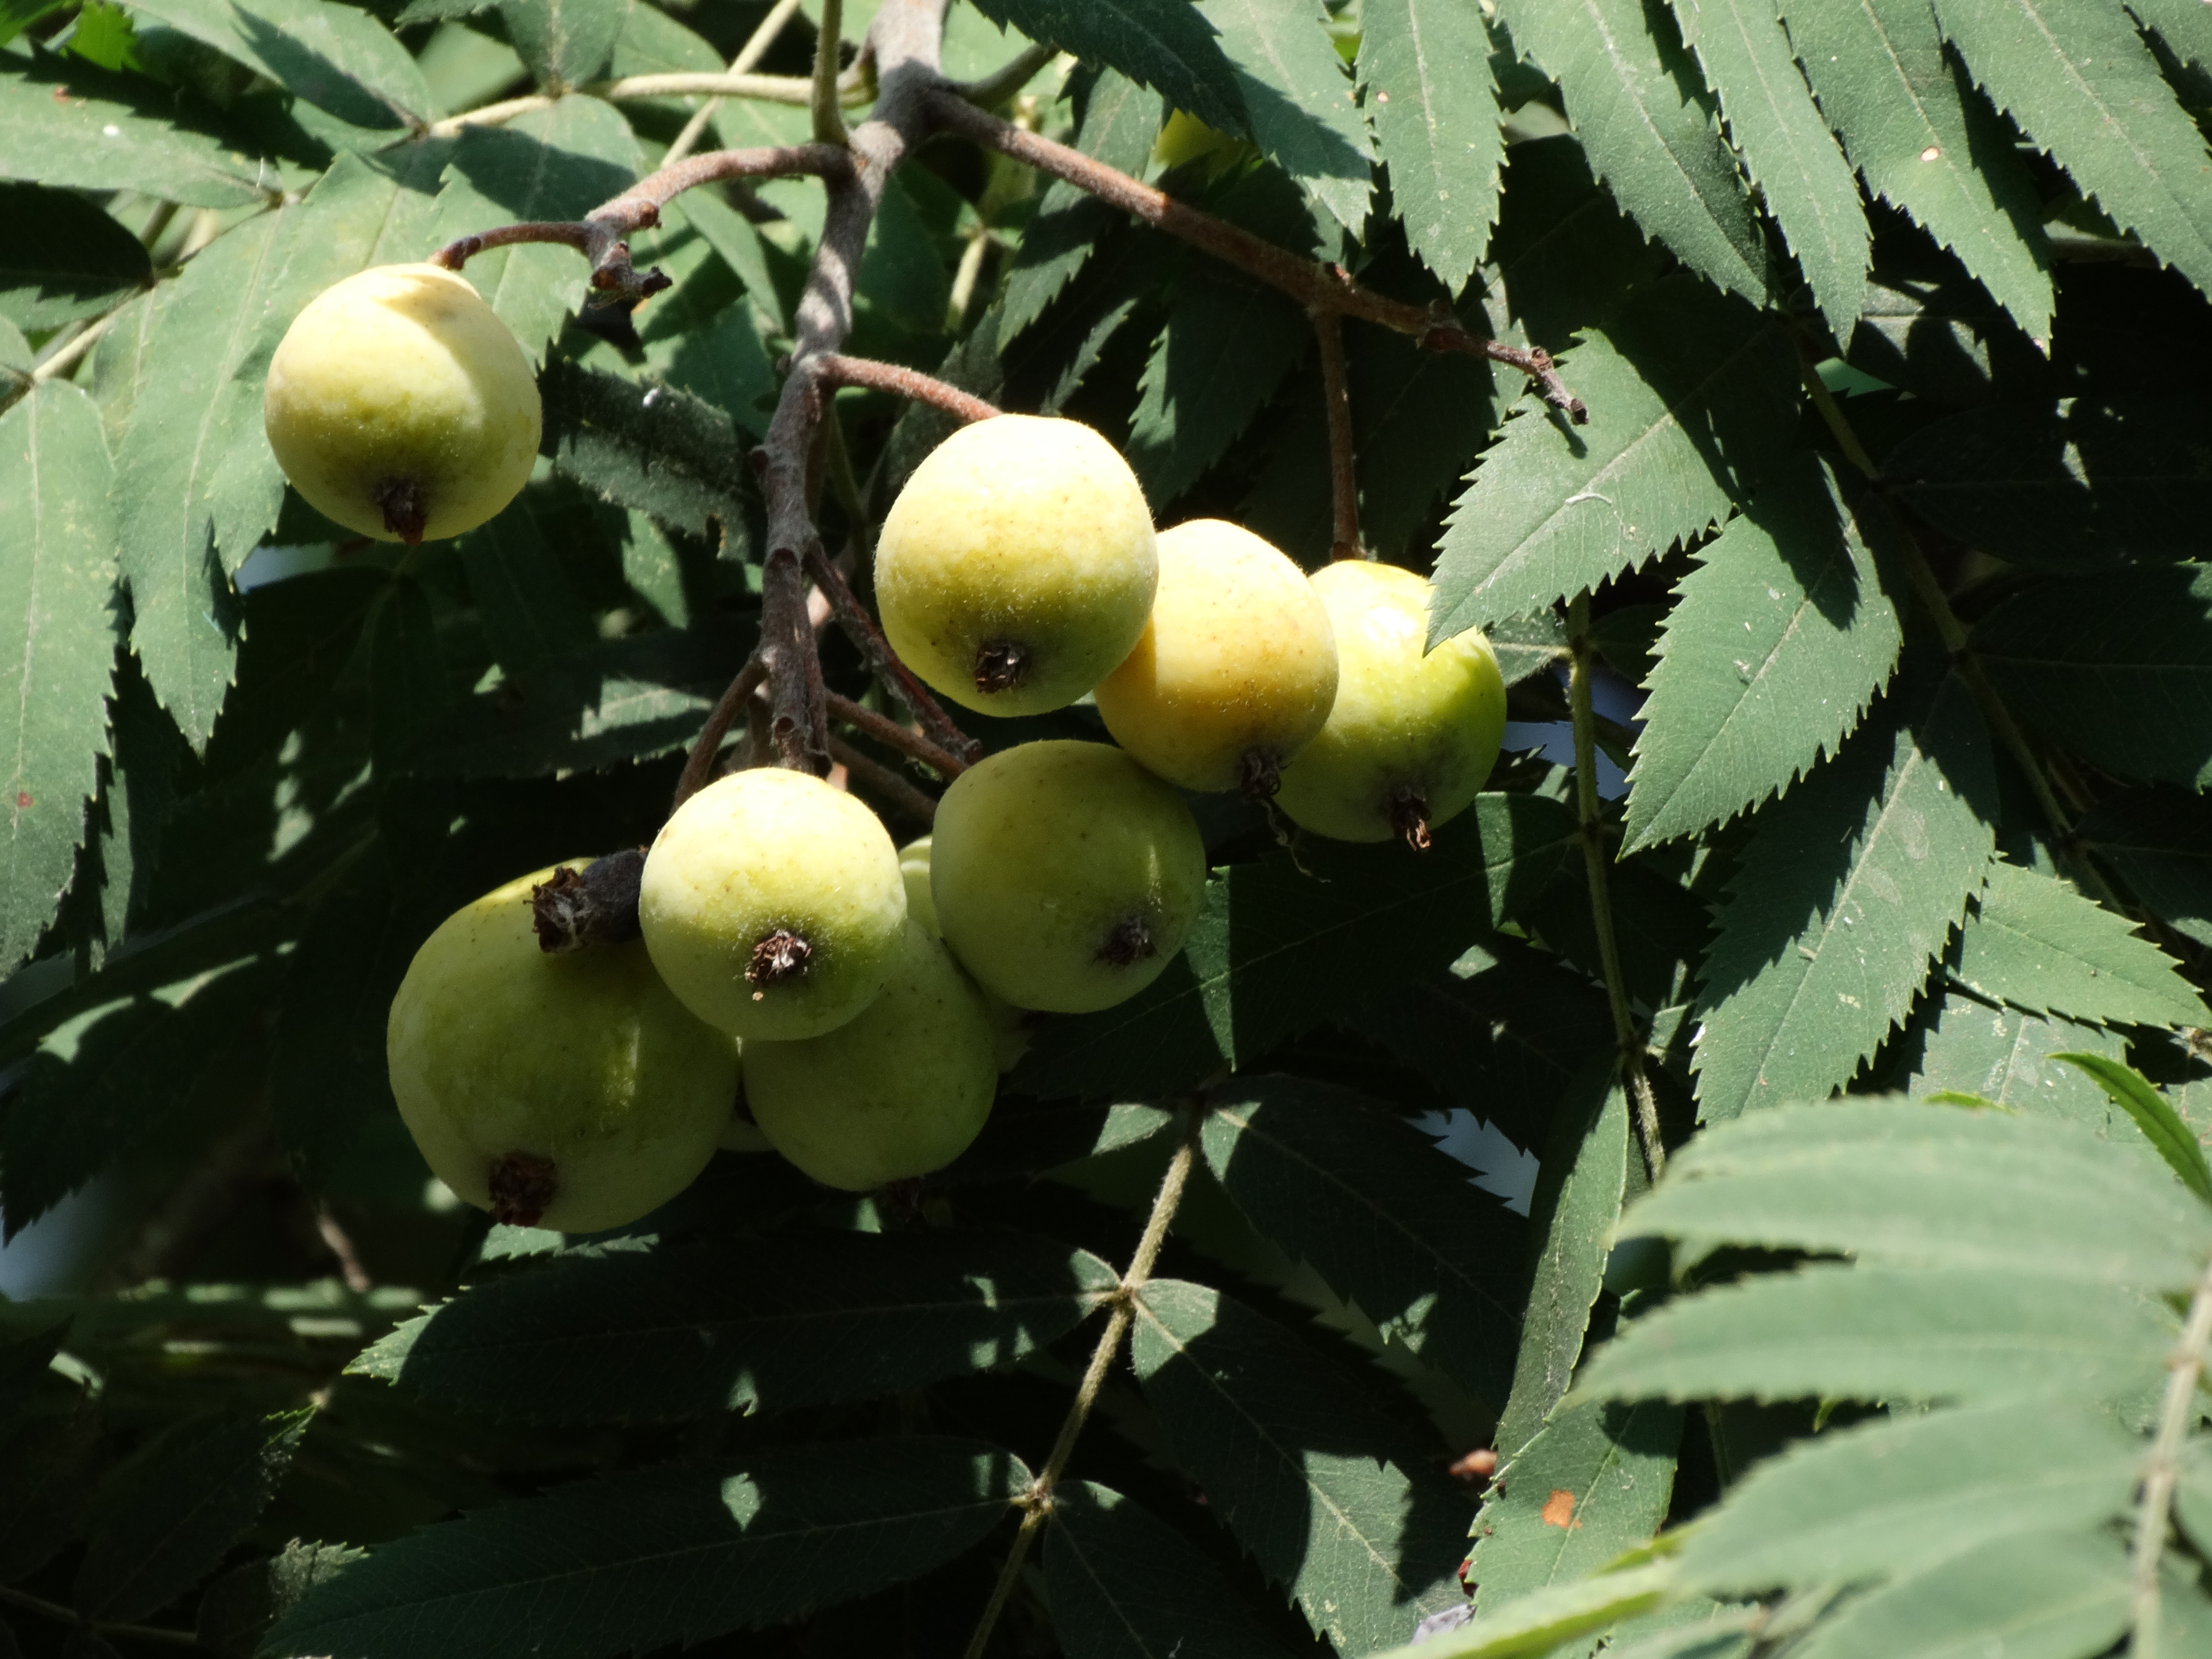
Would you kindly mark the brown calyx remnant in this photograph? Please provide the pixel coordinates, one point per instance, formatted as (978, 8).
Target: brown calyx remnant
(779, 959)
(1001, 665)
(1409, 817)
(1131, 941)
(522, 1186)
(1259, 774)
(405, 508)
(600, 907)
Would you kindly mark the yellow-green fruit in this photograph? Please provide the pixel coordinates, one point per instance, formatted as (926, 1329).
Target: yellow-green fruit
(569, 1091)
(1008, 1027)
(1017, 565)
(400, 405)
(899, 1092)
(1413, 736)
(772, 904)
(1236, 671)
(1066, 875)
(913, 869)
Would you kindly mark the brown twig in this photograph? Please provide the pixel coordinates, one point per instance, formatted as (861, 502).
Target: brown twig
(1316, 285)
(901, 381)
(884, 662)
(1343, 471)
(887, 783)
(699, 764)
(892, 735)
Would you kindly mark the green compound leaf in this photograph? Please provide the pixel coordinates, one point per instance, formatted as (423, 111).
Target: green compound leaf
(1425, 67)
(1351, 1188)
(1692, 397)
(2184, 26)
(1335, 1503)
(2077, 79)
(2162, 1125)
(66, 258)
(2038, 944)
(57, 601)
(1776, 645)
(2159, 841)
(642, 1559)
(1923, 142)
(565, 42)
(1228, 342)
(1126, 1585)
(1117, 123)
(2087, 484)
(1168, 46)
(90, 143)
(162, 1521)
(1787, 148)
(1890, 1496)
(2005, 1057)
(2066, 1592)
(1825, 939)
(1595, 1481)
(2117, 667)
(771, 1324)
(1543, 1622)
(1298, 100)
(337, 58)
(653, 449)
(1647, 123)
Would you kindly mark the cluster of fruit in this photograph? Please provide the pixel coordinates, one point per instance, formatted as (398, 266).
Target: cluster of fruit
(868, 993)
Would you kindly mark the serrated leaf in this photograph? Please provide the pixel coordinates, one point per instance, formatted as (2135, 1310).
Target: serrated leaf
(1580, 1180)
(104, 1081)
(239, 1606)
(48, 1470)
(1848, 888)
(66, 258)
(1335, 1503)
(1541, 1623)
(1774, 649)
(57, 600)
(1902, 1184)
(1692, 397)
(1425, 66)
(1647, 123)
(121, 852)
(164, 1519)
(1416, 417)
(1226, 345)
(90, 143)
(565, 42)
(557, 163)
(2083, 485)
(1891, 1496)
(1786, 148)
(2162, 1125)
(1298, 100)
(771, 1324)
(1166, 45)
(300, 634)
(1885, 1333)
(2159, 842)
(653, 449)
(1595, 1481)
(1369, 1202)
(337, 58)
(2004, 1057)
(1124, 1585)
(2064, 1593)
(732, 235)
(2037, 942)
(1262, 960)
(2117, 667)
(2077, 79)
(2184, 26)
(1923, 142)
(1116, 123)
(532, 614)
(1564, 254)
(642, 1559)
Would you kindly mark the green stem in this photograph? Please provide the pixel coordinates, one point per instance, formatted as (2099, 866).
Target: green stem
(828, 121)
(2176, 1416)
(1581, 654)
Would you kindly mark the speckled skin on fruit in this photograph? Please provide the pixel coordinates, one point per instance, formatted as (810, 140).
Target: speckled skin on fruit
(899, 1090)
(1430, 724)
(582, 1059)
(402, 379)
(1021, 531)
(1066, 875)
(764, 851)
(1238, 660)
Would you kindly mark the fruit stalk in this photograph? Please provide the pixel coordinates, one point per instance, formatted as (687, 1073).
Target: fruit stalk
(1336, 396)
(892, 735)
(860, 628)
(838, 369)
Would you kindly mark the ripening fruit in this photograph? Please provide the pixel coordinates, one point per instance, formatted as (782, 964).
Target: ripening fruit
(913, 869)
(772, 904)
(1017, 565)
(898, 1090)
(1067, 877)
(401, 406)
(1237, 669)
(569, 1090)
(1008, 1027)
(1413, 737)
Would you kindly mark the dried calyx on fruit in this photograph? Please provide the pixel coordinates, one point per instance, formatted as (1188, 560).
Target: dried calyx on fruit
(1017, 565)
(567, 1091)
